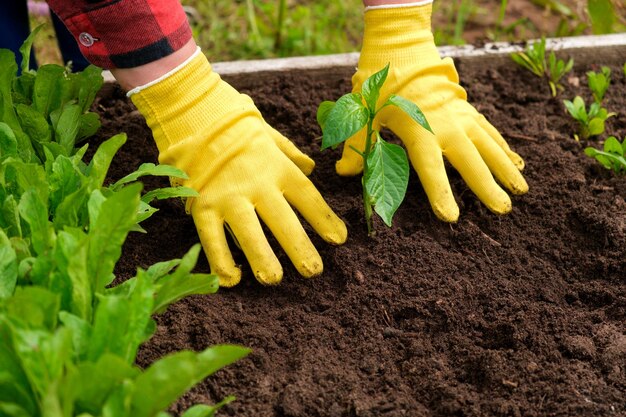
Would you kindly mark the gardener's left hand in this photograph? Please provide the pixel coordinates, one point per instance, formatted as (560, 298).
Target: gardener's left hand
(402, 38)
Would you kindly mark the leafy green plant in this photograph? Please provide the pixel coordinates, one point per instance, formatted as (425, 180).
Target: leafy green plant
(69, 336)
(591, 123)
(385, 165)
(533, 58)
(612, 155)
(599, 83)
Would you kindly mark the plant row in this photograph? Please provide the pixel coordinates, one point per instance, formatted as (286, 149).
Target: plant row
(591, 120)
(68, 336)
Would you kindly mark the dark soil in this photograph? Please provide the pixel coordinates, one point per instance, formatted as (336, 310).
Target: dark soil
(518, 315)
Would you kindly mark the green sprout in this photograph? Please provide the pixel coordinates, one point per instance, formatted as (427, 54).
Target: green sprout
(599, 83)
(533, 58)
(612, 157)
(591, 123)
(385, 165)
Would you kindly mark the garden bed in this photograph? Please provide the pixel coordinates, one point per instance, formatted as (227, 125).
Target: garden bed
(495, 315)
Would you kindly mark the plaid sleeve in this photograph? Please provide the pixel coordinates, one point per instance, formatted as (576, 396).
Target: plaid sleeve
(124, 33)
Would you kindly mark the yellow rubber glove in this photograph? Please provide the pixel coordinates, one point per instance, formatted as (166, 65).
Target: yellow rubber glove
(241, 167)
(402, 37)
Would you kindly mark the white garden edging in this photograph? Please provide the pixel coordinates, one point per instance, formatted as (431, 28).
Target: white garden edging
(599, 48)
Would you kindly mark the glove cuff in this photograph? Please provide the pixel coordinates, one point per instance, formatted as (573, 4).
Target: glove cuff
(189, 100)
(401, 35)
(398, 5)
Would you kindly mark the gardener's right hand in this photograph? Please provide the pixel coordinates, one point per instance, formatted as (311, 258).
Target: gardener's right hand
(241, 168)
(400, 35)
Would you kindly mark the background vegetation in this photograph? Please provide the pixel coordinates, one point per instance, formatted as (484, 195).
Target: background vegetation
(250, 29)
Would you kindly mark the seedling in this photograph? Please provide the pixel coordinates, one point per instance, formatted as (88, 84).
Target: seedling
(599, 83)
(534, 60)
(591, 123)
(612, 157)
(385, 165)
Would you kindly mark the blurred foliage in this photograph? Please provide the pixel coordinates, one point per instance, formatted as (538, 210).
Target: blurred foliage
(251, 29)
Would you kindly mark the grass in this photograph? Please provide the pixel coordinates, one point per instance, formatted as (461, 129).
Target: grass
(251, 29)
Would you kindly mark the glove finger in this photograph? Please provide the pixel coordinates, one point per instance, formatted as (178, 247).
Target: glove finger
(210, 228)
(246, 227)
(351, 163)
(464, 156)
(498, 161)
(303, 195)
(427, 160)
(497, 137)
(278, 215)
(287, 147)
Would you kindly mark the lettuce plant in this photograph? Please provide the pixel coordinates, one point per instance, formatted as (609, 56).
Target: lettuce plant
(591, 122)
(385, 165)
(612, 155)
(68, 336)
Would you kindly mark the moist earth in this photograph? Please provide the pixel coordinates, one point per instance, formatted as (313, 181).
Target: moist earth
(515, 315)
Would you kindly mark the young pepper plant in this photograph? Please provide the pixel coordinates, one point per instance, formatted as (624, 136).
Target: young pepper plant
(385, 165)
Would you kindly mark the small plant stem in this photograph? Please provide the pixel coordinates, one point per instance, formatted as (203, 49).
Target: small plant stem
(280, 23)
(367, 203)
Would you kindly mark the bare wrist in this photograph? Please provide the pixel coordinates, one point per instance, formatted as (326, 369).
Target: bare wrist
(130, 78)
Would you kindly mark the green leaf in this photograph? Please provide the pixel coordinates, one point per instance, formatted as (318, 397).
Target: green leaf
(168, 378)
(11, 409)
(64, 180)
(602, 16)
(88, 125)
(182, 283)
(35, 307)
(150, 169)
(387, 178)
(371, 88)
(411, 109)
(169, 192)
(344, 120)
(33, 124)
(323, 111)
(72, 249)
(67, 126)
(8, 267)
(34, 211)
(109, 326)
(203, 410)
(72, 209)
(81, 333)
(26, 47)
(95, 382)
(108, 232)
(596, 126)
(612, 145)
(8, 71)
(10, 219)
(43, 355)
(50, 89)
(8, 142)
(90, 81)
(101, 160)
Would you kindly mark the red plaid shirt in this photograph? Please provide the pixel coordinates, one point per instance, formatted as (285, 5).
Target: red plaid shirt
(124, 33)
